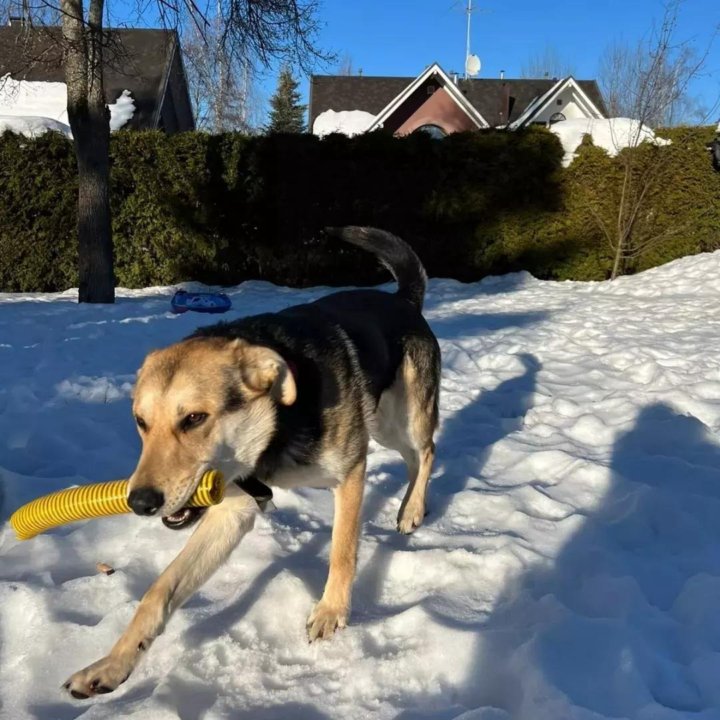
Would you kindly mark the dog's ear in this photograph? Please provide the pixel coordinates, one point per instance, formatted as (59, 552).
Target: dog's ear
(264, 371)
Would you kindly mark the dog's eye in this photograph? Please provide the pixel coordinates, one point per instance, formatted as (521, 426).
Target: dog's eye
(141, 423)
(192, 421)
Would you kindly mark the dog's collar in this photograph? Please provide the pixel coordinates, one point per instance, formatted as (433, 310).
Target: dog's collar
(258, 490)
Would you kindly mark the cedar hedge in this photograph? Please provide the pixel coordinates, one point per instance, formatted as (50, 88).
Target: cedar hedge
(226, 208)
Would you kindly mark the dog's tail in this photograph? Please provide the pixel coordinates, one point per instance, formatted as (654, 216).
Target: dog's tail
(395, 254)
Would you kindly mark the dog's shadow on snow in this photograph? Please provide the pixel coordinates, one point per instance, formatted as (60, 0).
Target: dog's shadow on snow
(617, 622)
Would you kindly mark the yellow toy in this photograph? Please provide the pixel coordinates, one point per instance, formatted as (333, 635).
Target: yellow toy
(99, 500)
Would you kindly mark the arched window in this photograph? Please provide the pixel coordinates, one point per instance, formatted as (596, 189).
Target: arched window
(434, 131)
(557, 117)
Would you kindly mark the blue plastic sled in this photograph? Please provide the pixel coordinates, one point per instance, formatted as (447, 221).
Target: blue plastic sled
(204, 302)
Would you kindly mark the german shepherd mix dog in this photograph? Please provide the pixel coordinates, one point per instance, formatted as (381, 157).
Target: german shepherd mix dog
(286, 399)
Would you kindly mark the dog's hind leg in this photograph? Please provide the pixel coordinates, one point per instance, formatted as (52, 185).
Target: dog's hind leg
(333, 609)
(412, 508)
(421, 387)
(222, 527)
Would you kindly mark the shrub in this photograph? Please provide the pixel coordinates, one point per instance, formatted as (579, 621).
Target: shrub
(226, 208)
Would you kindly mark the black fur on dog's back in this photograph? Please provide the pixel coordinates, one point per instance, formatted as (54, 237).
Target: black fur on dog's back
(395, 254)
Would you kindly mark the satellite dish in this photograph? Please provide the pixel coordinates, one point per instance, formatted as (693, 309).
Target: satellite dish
(472, 65)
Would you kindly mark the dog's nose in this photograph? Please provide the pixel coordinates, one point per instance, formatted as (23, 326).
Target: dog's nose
(145, 501)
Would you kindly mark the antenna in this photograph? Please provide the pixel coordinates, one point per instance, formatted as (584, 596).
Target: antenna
(472, 62)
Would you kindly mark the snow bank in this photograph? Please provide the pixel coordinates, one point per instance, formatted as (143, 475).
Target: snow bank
(42, 106)
(612, 135)
(32, 126)
(347, 122)
(568, 569)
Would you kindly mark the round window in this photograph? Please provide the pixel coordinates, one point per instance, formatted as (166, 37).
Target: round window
(434, 131)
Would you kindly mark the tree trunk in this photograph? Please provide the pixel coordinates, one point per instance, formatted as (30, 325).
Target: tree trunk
(617, 262)
(90, 124)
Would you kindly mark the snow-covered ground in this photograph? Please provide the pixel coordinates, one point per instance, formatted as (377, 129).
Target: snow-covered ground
(569, 567)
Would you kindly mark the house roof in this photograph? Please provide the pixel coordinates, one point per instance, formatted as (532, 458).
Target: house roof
(432, 71)
(540, 103)
(136, 59)
(372, 94)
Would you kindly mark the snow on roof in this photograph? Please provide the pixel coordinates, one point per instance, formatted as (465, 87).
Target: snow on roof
(611, 134)
(46, 102)
(32, 126)
(33, 99)
(121, 111)
(347, 122)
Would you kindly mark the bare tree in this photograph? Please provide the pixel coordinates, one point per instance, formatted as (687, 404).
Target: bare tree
(546, 64)
(257, 29)
(653, 74)
(221, 81)
(345, 66)
(648, 84)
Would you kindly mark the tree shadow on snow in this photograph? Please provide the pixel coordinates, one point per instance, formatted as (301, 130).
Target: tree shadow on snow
(624, 619)
(464, 324)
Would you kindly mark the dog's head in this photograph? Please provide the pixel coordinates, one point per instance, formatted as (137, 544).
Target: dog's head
(203, 403)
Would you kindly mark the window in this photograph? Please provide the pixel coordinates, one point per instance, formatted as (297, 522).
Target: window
(434, 131)
(556, 117)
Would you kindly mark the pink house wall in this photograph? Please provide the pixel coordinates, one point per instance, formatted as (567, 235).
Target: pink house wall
(420, 109)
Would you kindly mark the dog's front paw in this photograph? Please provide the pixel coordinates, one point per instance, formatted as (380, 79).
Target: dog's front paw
(324, 620)
(99, 678)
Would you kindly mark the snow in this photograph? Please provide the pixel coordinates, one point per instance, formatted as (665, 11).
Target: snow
(27, 98)
(41, 106)
(611, 134)
(569, 567)
(347, 122)
(32, 126)
(121, 111)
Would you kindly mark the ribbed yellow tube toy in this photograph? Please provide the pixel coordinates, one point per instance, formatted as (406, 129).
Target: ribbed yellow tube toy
(94, 501)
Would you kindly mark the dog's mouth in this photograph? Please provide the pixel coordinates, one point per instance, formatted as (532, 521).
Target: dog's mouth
(183, 518)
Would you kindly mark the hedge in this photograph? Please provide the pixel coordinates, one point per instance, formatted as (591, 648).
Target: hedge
(226, 208)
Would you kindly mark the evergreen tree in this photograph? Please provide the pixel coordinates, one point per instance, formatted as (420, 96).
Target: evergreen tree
(287, 114)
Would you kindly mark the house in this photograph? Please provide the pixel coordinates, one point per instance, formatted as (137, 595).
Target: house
(437, 103)
(144, 77)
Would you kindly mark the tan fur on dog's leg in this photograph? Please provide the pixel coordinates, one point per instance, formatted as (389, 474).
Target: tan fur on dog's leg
(222, 527)
(412, 509)
(333, 609)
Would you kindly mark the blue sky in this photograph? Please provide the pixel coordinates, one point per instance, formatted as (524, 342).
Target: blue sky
(386, 37)
(401, 38)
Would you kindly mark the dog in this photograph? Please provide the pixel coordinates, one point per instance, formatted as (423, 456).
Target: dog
(288, 399)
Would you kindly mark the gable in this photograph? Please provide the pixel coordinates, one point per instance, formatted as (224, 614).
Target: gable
(429, 104)
(138, 60)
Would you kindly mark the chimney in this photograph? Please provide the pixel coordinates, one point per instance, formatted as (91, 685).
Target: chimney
(16, 21)
(505, 104)
(502, 74)
(455, 78)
